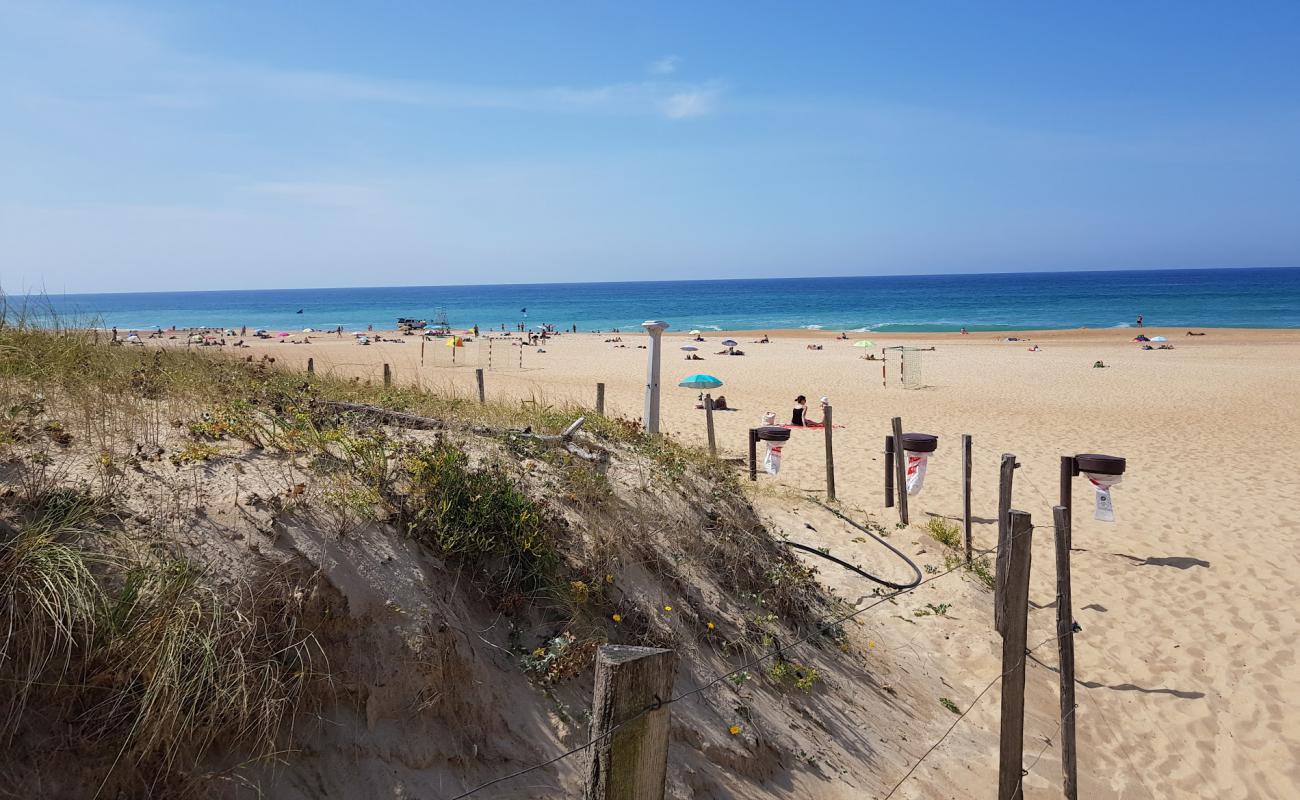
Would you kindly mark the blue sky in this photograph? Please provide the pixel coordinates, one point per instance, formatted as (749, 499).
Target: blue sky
(223, 145)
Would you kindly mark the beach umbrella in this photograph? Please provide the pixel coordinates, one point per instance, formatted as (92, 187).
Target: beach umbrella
(729, 343)
(864, 343)
(306, 330)
(1159, 339)
(695, 333)
(690, 348)
(700, 382)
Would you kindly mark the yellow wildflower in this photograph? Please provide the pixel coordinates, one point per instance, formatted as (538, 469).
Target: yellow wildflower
(617, 617)
(668, 608)
(735, 729)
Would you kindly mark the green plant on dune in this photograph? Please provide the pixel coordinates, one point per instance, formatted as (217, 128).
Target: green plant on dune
(944, 532)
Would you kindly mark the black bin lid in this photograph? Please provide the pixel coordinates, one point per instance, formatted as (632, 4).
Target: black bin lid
(1102, 465)
(920, 442)
(773, 433)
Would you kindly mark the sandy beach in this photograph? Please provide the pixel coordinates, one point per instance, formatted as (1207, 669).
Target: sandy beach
(1189, 628)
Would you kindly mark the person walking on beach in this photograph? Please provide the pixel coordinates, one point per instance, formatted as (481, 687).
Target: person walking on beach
(1139, 320)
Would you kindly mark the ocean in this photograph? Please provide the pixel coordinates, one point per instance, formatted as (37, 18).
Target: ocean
(1256, 298)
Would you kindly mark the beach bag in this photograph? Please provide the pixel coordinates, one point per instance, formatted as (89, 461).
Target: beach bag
(1105, 509)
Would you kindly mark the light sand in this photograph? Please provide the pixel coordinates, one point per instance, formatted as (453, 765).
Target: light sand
(1187, 602)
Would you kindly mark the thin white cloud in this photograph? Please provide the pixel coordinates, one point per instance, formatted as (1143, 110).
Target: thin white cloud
(692, 102)
(665, 66)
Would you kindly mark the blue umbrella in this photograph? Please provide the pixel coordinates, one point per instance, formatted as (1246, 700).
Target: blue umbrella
(700, 382)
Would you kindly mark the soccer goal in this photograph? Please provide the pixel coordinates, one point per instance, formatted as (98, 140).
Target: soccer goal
(908, 366)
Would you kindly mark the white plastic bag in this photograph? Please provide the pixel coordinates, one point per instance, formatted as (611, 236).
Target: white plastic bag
(772, 461)
(916, 463)
(1105, 510)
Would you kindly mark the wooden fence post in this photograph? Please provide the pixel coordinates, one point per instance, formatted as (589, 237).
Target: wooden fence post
(388, 375)
(478, 378)
(900, 469)
(1015, 617)
(1065, 644)
(422, 340)
(1005, 475)
(629, 763)
(708, 424)
(600, 399)
(965, 493)
(311, 366)
(753, 454)
(889, 472)
(830, 456)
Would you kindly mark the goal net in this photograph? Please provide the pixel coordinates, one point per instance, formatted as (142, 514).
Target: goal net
(909, 365)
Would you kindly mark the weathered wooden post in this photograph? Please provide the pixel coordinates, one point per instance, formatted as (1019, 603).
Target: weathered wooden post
(708, 424)
(1065, 645)
(753, 454)
(889, 472)
(478, 378)
(900, 469)
(655, 328)
(1005, 475)
(388, 375)
(422, 340)
(965, 494)
(600, 399)
(1015, 615)
(311, 366)
(629, 759)
(830, 456)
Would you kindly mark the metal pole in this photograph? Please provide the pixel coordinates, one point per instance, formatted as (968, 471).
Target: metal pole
(651, 415)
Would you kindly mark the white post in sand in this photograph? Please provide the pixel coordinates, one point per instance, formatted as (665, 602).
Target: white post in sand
(656, 329)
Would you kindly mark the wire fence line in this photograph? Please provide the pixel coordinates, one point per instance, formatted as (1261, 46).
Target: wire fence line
(819, 630)
(970, 708)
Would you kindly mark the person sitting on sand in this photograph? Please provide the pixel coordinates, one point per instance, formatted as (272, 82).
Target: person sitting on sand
(799, 416)
(843, 337)
(1098, 365)
(720, 403)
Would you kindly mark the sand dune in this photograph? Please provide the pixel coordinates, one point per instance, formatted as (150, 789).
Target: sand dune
(1186, 602)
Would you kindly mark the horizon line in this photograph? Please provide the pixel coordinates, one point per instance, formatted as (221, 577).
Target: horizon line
(46, 293)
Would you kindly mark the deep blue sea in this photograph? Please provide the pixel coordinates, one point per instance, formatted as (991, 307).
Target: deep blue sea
(1264, 298)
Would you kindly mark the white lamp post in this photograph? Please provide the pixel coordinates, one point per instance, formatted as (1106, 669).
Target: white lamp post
(656, 329)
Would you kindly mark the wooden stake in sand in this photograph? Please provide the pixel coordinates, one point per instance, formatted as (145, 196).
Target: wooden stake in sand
(830, 456)
(311, 366)
(388, 375)
(753, 454)
(1065, 645)
(889, 472)
(1005, 475)
(600, 399)
(900, 469)
(629, 759)
(965, 493)
(478, 377)
(422, 341)
(1014, 616)
(708, 424)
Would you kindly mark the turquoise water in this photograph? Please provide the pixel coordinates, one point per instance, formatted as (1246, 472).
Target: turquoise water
(1266, 298)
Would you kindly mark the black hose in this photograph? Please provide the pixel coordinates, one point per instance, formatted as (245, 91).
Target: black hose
(916, 581)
